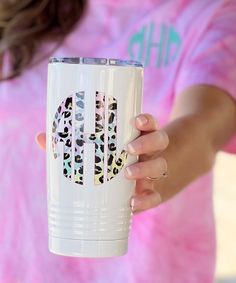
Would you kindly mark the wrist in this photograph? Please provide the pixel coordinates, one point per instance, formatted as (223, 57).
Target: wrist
(189, 155)
(190, 137)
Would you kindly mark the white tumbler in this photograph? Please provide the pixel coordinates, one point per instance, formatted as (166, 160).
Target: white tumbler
(91, 106)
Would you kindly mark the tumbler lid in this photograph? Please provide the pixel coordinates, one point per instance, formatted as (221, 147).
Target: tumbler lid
(95, 61)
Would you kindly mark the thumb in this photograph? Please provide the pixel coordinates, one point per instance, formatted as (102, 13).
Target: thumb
(40, 139)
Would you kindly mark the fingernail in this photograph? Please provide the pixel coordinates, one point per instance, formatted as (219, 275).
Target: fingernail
(135, 204)
(142, 120)
(132, 171)
(145, 202)
(134, 147)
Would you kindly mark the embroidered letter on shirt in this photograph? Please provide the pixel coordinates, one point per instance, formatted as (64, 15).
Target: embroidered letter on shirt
(155, 47)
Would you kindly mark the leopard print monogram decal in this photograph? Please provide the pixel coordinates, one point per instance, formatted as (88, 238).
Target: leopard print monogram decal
(64, 112)
(114, 165)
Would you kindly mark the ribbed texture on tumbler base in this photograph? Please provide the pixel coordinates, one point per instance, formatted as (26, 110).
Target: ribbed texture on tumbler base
(89, 223)
(88, 248)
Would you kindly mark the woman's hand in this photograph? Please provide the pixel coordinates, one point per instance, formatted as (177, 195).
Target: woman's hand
(196, 132)
(148, 146)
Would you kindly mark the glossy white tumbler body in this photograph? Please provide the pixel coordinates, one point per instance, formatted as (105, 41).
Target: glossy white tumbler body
(91, 106)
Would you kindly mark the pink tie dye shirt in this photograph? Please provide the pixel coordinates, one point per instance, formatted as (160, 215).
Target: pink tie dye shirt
(181, 43)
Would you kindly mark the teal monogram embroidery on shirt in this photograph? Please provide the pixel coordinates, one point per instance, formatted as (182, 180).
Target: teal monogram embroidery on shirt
(155, 46)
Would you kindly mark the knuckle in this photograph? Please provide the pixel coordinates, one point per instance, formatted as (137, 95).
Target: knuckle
(143, 170)
(161, 140)
(165, 139)
(139, 145)
(143, 144)
(136, 168)
(141, 167)
(162, 163)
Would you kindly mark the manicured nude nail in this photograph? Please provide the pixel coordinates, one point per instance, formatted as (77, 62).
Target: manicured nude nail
(134, 147)
(132, 171)
(136, 204)
(142, 120)
(145, 202)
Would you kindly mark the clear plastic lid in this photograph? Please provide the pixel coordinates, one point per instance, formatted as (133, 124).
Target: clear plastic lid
(95, 61)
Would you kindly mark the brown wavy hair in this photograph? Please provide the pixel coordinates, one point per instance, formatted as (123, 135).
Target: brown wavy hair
(25, 24)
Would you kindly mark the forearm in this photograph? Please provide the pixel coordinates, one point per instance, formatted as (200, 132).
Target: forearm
(195, 137)
(189, 155)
